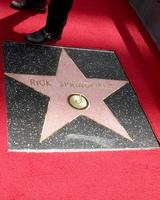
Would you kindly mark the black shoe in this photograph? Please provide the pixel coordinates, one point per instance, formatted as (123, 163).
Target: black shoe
(42, 36)
(26, 4)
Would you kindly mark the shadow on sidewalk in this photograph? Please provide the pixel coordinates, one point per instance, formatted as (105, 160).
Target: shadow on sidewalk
(8, 23)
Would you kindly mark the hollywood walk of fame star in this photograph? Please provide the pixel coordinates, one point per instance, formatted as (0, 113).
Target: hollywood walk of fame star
(68, 81)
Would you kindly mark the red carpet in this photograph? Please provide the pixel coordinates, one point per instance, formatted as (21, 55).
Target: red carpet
(124, 175)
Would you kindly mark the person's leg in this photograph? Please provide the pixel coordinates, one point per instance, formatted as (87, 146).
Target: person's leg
(57, 15)
(39, 5)
(56, 20)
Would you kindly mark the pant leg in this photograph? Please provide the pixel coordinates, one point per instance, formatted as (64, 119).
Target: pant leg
(31, 2)
(57, 15)
(40, 1)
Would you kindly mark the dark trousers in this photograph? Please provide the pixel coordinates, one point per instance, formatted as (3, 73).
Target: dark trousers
(57, 15)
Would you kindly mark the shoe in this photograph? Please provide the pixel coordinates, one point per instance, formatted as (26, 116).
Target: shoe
(42, 36)
(24, 4)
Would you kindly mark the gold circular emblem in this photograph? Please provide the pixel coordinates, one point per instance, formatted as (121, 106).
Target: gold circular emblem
(78, 101)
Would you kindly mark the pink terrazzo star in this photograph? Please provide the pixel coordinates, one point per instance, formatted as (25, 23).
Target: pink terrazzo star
(70, 80)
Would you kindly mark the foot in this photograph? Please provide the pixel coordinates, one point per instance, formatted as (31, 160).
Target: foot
(42, 36)
(26, 4)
